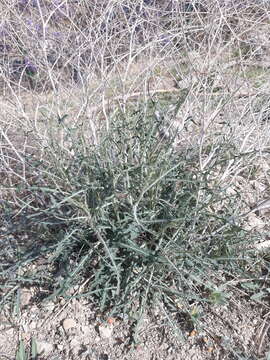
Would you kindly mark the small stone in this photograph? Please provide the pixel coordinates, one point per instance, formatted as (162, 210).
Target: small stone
(69, 324)
(48, 306)
(44, 348)
(62, 302)
(25, 297)
(105, 331)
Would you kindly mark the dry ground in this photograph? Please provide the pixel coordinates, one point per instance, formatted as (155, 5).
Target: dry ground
(73, 330)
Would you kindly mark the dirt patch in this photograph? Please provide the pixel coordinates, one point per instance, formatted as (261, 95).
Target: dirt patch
(72, 329)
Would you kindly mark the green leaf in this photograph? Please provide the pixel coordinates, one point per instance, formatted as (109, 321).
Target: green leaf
(218, 297)
(34, 351)
(250, 286)
(21, 354)
(257, 296)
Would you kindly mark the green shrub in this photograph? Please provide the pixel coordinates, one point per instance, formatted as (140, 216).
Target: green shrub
(136, 217)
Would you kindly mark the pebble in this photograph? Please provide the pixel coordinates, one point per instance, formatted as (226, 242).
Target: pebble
(25, 297)
(48, 306)
(69, 323)
(44, 348)
(105, 331)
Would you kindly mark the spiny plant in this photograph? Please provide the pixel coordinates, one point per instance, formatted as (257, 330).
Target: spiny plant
(136, 217)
